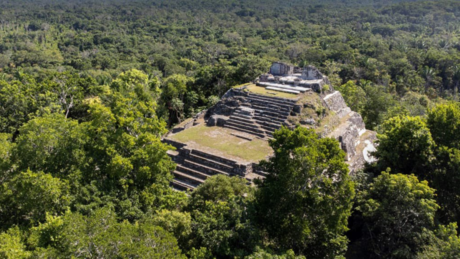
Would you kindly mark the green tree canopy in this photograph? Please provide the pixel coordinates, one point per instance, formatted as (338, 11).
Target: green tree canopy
(354, 95)
(51, 143)
(306, 199)
(101, 235)
(444, 123)
(220, 217)
(12, 245)
(444, 243)
(396, 210)
(28, 196)
(220, 188)
(405, 145)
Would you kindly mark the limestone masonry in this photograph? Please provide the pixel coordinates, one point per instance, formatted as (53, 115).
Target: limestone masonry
(231, 137)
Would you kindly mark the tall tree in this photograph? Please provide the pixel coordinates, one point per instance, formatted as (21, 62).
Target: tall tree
(444, 243)
(306, 199)
(51, 144)
(100, 235)
(220, 217)
(128, 159)
(27, 197)
(444, 123)
(396, 210)
(354, 95)
(405, 145)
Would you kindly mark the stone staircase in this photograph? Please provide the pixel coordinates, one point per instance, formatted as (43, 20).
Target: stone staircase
(242, 120)
(260, 116)
(195, 166)
(265, 115)
(271, 112)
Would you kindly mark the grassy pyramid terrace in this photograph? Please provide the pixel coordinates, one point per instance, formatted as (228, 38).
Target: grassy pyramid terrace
(224, 142)
(263, 91)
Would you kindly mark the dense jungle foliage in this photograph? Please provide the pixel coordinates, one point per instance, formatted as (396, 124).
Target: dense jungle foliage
(87, 89)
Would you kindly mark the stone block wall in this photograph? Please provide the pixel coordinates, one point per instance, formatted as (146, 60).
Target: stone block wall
(177, 145)
(348, 134)
(185, 125)
(311, 73)
(279, 69)
(335, 102)
(228, 103)
(214, 161)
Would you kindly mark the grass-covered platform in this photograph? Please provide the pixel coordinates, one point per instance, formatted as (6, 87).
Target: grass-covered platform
(224, 142)
(263, 91)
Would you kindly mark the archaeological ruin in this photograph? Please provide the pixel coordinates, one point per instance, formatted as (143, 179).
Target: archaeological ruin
(232, 137)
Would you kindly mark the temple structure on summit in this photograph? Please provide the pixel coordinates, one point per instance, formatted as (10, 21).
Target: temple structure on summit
(287, 78)
(232, 137)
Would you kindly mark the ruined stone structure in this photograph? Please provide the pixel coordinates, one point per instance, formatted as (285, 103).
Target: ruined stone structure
(250, 115)
(281, 69)
(195, 166)
(254, 114)
(287, 78)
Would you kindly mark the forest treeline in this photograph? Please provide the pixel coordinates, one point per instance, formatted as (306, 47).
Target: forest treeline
(404, 51)
(87, 90)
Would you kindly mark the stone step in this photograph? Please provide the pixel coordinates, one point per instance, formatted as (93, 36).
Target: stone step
(281, 106)
(256, 103)
(253, 98)
(241, 118)
(192, 172)
(268, 123)
(276, 109)
(272, 99)
(183, 177)
(226, 161)
(253, 131)
(253, 127)
(244, 122)
(261, 135)
(287, 90)
(174, 155)
(250, 124)
(272, 110)
(176, 144)
(271, 113)
(269, 135)
(203, 168)
(241, 114)
(181, 186)
(210, 163)
(270, 129)
(268, 118)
